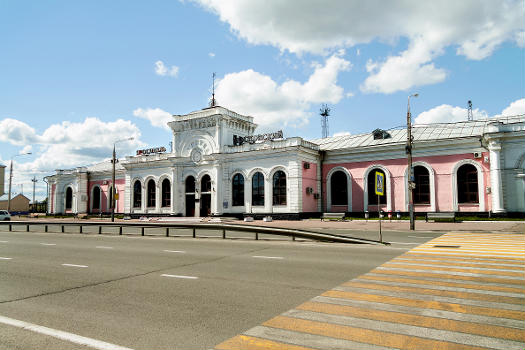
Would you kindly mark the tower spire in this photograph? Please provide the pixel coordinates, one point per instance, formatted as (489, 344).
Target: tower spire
(213, 102)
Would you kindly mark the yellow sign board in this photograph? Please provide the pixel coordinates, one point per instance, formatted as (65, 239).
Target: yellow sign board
(380, 183)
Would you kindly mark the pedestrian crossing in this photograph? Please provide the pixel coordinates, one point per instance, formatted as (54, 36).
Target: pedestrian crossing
(458, 291)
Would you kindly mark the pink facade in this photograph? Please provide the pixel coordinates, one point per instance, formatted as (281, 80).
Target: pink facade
(309, 180)
(443, 167)
(104, 195)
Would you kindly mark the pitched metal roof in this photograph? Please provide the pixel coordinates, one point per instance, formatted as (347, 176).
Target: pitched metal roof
(420, 132)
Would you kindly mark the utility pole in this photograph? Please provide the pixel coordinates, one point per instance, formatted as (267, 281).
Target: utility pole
(411, 183)
(112, 194)
(113, 188)
(11, 179)
(34, 180)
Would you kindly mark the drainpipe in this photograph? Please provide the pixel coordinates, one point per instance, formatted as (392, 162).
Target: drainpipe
(47, 194)
(321, 192)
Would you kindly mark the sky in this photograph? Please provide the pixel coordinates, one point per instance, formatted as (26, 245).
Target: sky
(76, 76)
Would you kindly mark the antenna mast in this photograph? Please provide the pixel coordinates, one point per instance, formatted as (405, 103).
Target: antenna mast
(469, 115)
(324, 112)
(213, 103)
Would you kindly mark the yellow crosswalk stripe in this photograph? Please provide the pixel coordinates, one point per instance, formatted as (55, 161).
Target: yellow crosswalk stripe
(458, 291)
(367, 336)
(416, 320)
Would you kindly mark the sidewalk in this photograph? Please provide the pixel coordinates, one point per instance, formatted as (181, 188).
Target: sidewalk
(401, 225)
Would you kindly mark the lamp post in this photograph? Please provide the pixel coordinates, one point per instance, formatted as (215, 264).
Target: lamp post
(411, 183)
(113, 190)
(11, 179)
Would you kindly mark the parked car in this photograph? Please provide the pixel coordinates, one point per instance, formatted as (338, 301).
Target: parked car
(4, 215)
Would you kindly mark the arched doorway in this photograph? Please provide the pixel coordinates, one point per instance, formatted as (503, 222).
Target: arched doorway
(205, 196)
(190, 195)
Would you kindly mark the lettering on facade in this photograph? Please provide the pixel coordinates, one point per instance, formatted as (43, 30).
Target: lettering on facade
(143, 152)
(239, 140)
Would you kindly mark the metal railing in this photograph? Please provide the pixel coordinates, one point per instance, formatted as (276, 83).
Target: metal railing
(293, 233)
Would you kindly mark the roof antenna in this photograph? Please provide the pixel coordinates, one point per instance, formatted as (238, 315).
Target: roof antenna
(324, 112)
(213, 103)
(470, 117)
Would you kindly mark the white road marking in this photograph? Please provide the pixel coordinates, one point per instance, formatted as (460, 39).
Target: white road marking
(180, 276)
(267, 257)
(4, 258)
(174, 251)
(4, 241)
(70, 337)
(74, 265)
(48, 243)
(405, 243)
(103, 247)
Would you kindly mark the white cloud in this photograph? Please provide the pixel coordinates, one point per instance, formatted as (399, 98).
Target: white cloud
(67, 145)
(253, 93)
(163, 70)
(211, 54)
(474, 27)
(156, 116)
(26, 149)
(449, 114)
(515, 108)
(17, 132)
(411, 68)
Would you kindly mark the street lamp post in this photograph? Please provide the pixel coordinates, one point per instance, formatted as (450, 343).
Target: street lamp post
(11, 179)
(113, 189)
(411, 183)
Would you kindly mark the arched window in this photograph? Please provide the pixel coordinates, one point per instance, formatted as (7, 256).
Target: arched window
(258, 189)
(339, 188)
(372, 196)
(137, 194)
(206, 183)
(151, 191)
(279, 188)
(190, 184)
(69, 198)
(422, 191)
(96, 198)
(166, 193)
(238, 190)
(468, 184)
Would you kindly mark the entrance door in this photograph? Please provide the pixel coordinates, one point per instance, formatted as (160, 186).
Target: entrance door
(190, 205)
(205, 204)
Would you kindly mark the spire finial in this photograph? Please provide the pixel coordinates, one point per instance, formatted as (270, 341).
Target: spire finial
(213, 103)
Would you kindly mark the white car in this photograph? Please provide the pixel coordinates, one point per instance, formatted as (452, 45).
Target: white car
(4, 215)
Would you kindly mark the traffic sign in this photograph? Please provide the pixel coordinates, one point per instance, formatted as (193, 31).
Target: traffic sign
(380, 183)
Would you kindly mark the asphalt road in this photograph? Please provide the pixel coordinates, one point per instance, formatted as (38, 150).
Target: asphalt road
(157, 292)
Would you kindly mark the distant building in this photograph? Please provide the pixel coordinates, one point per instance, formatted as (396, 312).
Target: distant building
(219, 167)
(19, 203)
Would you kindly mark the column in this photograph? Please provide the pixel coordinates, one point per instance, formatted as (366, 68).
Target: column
(495, 177)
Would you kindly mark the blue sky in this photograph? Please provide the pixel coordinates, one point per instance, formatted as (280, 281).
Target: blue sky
(75, 76)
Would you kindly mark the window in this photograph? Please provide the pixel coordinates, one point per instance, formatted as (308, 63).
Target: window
(96, 197)
(422, 191)
(372, 196)
(380, 134)
(190, 184)
(279, 188)
(238, 190)
(206, 183)
(258, 189)
(137, 194)
(339, 188)
(69, 198)
(151, 193)
(166, 193)
(468, 184)
(111, 203)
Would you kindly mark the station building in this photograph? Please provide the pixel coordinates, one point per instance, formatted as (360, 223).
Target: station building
(220, 167)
